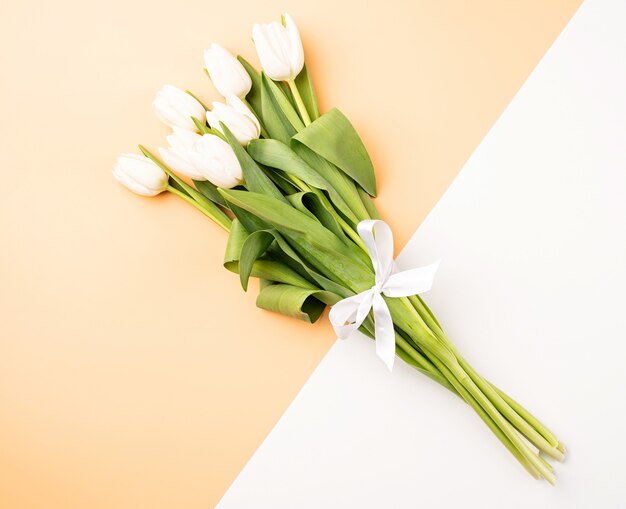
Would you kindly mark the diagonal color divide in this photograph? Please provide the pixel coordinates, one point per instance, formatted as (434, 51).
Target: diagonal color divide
(116, 386)
(532, 237)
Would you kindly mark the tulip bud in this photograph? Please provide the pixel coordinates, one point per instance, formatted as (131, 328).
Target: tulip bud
(217, 162)
(178, 155)
(140, 175)
(205, 157)
(226, 72)
(279, 48)
(174, 107)
(237, 117)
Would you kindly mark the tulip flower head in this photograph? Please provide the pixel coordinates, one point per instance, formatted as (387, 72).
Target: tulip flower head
(237, 117)
(178, 155)
(175, 107)
(140, 175)
(218, 163)
(202, 157)
(279, 48)
(226, 72)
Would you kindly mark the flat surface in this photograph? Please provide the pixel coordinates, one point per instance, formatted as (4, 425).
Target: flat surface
(532, 238)
(134, 371)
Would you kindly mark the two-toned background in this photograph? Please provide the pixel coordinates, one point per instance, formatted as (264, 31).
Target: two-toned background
(134, 372)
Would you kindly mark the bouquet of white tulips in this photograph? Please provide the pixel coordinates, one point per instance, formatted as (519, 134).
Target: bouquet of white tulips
(294, 188)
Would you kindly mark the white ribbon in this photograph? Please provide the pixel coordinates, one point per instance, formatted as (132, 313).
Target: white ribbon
(348, 314)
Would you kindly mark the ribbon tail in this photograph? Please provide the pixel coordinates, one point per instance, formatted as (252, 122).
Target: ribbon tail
(347, 315)
(384, 331)
(411, 282)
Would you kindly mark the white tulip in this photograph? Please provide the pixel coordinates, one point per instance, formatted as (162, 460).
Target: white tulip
(175, 107)
(214, 158)
(140, 175)
(178, 155)
(237, 117)
(205, 157)
(226, 72)
(279, 48)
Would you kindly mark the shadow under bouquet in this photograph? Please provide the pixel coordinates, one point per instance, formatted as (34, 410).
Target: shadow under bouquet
(293, 188)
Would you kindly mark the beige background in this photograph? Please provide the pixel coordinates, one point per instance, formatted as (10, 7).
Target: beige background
(134, 372)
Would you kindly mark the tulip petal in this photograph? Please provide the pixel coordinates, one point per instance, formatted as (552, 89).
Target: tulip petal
(271, 61)
(217, 162)
(179, 163)
(175, 107)
(242, 122)
(296, 52)
(226, 72)
(241, 107)
(140, 175)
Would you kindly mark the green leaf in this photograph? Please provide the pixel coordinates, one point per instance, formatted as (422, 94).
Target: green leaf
(286, 254)
(323, 250)
(250, 222)
(333, 137)
(209, 191)
(254, 96)
(201, 126)
(344, 267)
(278, 155)
(295, 302)
(253, 247)
(288, 257)
(237, 236)
(177, 186)
(307, 92)
(272, 270)
(368, 203)
(263, 283)
(281, 180)
(342, 191)
(311, 204)
(279, 213)
(274, 120)
(256, 180)
(283, 103)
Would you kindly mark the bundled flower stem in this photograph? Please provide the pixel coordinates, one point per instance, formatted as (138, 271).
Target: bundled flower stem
(290, 185)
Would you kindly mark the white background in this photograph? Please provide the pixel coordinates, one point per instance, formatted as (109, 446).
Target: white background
(532, 287)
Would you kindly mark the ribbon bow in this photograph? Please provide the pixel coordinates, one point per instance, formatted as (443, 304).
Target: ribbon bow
(347, 315)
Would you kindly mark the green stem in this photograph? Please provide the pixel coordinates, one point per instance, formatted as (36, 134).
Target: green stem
(413, 357)
(531, 419)
(410, 355)
(525, 422)
(222, 220)
(304, 114)
(506, 427)
(487, 419)
(458, 373)
(510, 414)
